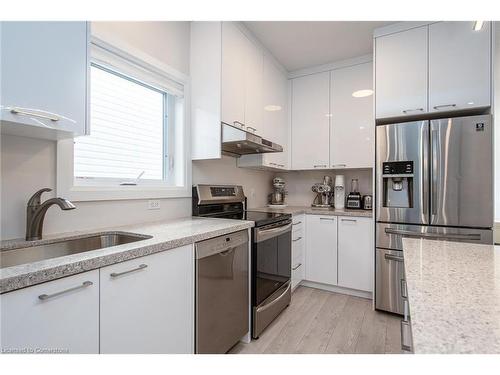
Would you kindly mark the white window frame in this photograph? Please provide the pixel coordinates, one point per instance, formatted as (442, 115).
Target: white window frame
(128, 60)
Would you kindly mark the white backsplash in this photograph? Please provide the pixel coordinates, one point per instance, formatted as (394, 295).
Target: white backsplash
(299, 183)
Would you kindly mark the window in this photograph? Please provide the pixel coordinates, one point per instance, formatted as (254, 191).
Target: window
(128, 131)
(138, 141)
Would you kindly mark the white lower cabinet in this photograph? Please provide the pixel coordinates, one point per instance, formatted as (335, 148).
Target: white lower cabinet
(147, 304)
(60, 316)
(321, 249)
(355, 250)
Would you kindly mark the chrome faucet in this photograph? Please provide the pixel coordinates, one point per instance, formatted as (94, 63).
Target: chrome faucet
(36, 211)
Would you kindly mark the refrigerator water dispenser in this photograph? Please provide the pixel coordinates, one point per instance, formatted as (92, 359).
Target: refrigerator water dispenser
(398, 184)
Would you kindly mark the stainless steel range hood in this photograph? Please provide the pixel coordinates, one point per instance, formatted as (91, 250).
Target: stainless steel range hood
(237, 141)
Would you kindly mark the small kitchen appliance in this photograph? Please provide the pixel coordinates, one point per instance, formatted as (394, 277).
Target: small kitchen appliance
(367, 202)
(277, 197)
(339, 192)
(324, 193)
(354, 197)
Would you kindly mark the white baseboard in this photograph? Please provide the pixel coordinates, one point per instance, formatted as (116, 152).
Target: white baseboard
(337, 289)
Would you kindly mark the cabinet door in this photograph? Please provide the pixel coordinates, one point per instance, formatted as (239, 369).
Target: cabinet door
(253, 60)
(401, 73)
(459, 66)
(321, 249)
(274, 112)
(234, 50)
(352, 129)
(44, 70)
(355, 249)
(60, 316)
(311, 121)
(147, 304)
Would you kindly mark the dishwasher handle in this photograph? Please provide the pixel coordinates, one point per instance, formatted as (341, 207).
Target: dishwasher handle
(222, 245)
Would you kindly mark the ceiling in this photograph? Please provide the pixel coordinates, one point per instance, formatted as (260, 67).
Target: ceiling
(301, 44)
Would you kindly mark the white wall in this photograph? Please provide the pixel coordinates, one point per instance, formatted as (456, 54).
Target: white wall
(299, 183)
(256, 184)
(30, 164)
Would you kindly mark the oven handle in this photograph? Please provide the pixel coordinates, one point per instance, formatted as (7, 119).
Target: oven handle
(265, 234)
(286, 287)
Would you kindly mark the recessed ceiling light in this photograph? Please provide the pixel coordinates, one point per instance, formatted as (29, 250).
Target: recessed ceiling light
(478, 25)
(272, 107)
(362, 93)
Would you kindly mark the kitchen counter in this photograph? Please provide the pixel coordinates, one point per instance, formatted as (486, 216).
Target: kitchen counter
(298, 210)
(454, 296)
(165, 235)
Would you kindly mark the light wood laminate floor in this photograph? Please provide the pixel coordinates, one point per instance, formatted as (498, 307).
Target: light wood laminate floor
(318, 321)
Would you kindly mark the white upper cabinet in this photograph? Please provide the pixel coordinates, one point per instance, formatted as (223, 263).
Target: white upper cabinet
(44, 70)
(234, 74)
(57, 315)
(352, 128)
(311, 121)
(459, 66)
(254, 59)
(147, 304)
(401, 73)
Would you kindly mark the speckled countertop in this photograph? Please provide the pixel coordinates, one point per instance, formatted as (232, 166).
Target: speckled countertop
(165, 235)
(297, 210)
(454, 296)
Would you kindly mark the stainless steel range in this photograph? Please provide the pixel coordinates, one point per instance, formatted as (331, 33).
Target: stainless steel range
(271, 248)
(433, 180)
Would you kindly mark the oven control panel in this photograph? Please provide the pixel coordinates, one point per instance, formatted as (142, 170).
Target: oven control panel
(223, 191)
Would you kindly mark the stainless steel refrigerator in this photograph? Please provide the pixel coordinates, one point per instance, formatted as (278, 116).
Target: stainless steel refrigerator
(434, 179)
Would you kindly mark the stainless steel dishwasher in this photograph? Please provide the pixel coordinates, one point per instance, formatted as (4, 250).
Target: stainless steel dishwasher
(222, 299)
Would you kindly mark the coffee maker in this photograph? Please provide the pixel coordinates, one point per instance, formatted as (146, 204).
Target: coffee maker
(324, 193)
(277, 197)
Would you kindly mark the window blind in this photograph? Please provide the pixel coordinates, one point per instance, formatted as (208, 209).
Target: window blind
(127, 130)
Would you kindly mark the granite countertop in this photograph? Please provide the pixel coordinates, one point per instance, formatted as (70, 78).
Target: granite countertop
(454, 296)
(297, 210)
(165, 235)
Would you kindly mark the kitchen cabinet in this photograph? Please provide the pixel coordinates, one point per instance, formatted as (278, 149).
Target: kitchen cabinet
(274, 119)
(298, 250)
(321, 249)
(355, 253)
(459, 66)
(226, 69)
(352, 130)
(401, 73)
(147, 304)
(234, 74)
(60, 316)
(311, 122)
(44, 70)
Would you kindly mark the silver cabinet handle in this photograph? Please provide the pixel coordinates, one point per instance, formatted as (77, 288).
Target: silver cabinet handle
(339, 165)
(240, 124)
(413, 110)
(444, 106)
(444, 236)
(281, 165)
(116, 274)
(35, 113)
(297, 266)
(351, 220)
(405, 341)
(45, 297)
(297, 223)
(320, 166)
(297, 239)
(327, 218)
(394, 258)
(404, 291)
(253, 129)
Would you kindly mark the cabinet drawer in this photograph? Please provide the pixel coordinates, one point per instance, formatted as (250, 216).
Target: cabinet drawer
(60, 315)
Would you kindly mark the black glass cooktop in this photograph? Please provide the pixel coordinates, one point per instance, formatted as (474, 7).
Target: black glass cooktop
(264, 218)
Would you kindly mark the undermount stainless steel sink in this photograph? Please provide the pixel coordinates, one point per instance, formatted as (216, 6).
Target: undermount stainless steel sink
(24, 255)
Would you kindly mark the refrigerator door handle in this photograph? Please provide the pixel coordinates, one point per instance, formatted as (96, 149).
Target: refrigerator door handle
(424, 175)
(434, 165)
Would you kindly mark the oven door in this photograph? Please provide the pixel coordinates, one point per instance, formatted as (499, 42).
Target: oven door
(271, 259)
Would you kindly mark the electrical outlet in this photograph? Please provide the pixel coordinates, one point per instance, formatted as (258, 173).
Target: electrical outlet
(153, 204)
